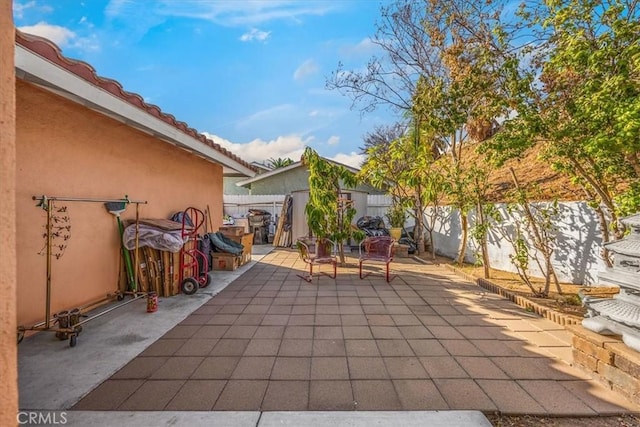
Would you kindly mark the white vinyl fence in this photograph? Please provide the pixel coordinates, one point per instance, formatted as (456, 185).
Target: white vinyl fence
(578, 242)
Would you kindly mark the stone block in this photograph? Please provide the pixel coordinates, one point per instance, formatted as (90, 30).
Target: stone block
(584, 360)
(594, 350)
(625, 359)
(598, 339)
(628, 384)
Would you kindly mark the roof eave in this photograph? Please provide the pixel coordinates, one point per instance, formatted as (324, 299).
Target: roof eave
(38, 70)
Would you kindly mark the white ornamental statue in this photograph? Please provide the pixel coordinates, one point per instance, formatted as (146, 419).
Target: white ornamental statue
(619, 315)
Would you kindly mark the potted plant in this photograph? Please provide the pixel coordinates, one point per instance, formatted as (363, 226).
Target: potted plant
(397, 216)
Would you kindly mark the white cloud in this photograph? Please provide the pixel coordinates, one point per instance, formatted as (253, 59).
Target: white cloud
(307, 68)
(365, 47)
(353, 159)
(19, 8)
(59, 35)
(255, 34)
(62, 36)
(258, 150)
(227, 13)
(333, 140)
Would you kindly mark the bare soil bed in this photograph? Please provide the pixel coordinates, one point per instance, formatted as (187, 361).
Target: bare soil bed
(531, 421)
(566, 300)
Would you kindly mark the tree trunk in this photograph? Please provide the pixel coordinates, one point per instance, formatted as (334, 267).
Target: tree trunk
(463, 242)
(540, 243)
(483, 244)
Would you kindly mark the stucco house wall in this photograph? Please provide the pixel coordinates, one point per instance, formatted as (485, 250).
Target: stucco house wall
(92, 156)
(99, 142)
(8, 284)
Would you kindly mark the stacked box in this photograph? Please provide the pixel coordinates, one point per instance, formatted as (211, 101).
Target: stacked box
(232, 230)
(224, 261)
(246, 240)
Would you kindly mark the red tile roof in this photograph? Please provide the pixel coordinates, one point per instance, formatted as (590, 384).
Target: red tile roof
(48, 50)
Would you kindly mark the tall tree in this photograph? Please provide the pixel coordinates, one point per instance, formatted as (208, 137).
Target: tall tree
(328, 213)
(583, 109)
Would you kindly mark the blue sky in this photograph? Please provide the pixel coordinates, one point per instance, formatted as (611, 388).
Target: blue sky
(249, 73)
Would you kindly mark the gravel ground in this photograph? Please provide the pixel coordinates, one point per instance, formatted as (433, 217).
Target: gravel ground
(531, 421)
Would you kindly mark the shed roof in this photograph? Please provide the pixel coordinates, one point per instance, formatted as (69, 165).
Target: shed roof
(40, 62)
(285, 169)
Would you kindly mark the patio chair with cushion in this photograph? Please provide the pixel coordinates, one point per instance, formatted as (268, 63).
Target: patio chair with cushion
(378, 249)
(317, 251)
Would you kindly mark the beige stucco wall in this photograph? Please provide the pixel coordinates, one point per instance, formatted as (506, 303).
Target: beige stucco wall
(8, 353)
(63, 149)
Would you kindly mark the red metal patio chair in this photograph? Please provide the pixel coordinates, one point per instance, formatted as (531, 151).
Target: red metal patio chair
(317, 251)
(377, 249)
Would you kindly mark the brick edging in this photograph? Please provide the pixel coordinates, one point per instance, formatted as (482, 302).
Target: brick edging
(546, 312)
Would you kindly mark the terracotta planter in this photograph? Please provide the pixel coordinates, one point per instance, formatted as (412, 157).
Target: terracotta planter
(395, 232)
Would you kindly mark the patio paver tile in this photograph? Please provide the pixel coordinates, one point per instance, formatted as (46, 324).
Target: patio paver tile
(182, 331)
(405, 368)
(108, 396)
(481, 368)
(177, 368)
(296, 347)
(253, 368)
(430, 347)
(269, 332)
(331, 396)
(329, 368)
(419, 395)
(378, 395)
(328, 332)
(356, 332)
(394, 348)
(443, 367)
(354, 320)
(361, 347)
(262, 347)
(460, 348)
(163, 347)
(555, 399)
(212, 331)
(386, 332)
(464, 394)
(152, 396)
(291, 368)
(329, 347)
(140, 368)
(286, 396)
(230, 347)
(298, 332)
(240, 331)
(241, 395)
(196, 396)
(216, 368)
(367, 368)
(509, 397)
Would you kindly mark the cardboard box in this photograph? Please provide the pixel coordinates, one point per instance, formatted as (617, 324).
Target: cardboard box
(232, 230)
(246, 240)
(226, 262)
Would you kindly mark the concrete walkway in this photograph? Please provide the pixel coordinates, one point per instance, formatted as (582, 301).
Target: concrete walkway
(270, 341)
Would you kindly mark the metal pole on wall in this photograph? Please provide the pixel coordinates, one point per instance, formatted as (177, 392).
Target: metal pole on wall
(47, 310)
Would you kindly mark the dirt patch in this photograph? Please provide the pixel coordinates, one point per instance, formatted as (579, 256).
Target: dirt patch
(566, 300)
(531, 421)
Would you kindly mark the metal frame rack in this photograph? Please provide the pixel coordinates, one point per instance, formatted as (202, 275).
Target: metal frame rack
(69, 323)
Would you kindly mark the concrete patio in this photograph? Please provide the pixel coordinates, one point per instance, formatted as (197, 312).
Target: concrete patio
(270, 342)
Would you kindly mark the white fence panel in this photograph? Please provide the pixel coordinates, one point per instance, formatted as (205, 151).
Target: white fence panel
(238, 205)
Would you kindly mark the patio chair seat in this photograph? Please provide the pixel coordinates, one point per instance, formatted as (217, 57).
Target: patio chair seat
(377, 249)
(317, 251)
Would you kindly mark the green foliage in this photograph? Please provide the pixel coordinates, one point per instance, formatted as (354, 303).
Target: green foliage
(328, 214)
(584, 108)
(279, 162)
(396, 214)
